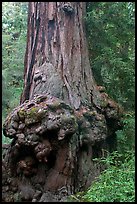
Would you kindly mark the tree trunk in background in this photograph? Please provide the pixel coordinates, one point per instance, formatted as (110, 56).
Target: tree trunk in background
(65, 120)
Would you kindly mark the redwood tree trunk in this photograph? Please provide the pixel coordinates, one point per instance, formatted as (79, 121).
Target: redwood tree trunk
(65, 120)
(56, 60)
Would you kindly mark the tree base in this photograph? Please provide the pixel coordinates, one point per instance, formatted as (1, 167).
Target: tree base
(52, 151)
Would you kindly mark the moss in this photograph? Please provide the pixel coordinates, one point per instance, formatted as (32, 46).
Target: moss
(22, 113)
(68, 119)
(69, 123)
(32, 111)
(104, 104)
(35, 114)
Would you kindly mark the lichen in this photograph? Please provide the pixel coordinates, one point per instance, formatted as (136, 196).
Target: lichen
(35, 114)
(22, 113)
(32, 111)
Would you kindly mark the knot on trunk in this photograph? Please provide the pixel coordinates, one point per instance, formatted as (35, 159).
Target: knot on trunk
(39, 128)
(51, 139)
(68, 9)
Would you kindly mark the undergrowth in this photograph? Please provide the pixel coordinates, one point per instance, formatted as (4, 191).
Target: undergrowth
(117, 182)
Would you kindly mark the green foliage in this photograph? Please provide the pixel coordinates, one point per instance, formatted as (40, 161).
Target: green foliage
(14, 27)
(117, 182)
(126, 137)
(111, 39)
(5, 140)
(14, 17)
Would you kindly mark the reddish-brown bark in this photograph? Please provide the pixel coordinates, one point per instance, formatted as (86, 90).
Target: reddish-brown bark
(56, 60)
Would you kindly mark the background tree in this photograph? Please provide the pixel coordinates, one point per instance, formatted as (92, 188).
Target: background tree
(111, 38)
(14, 21)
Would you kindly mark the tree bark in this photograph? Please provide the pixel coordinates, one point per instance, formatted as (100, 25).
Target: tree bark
(65, 120)
(56, 60)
